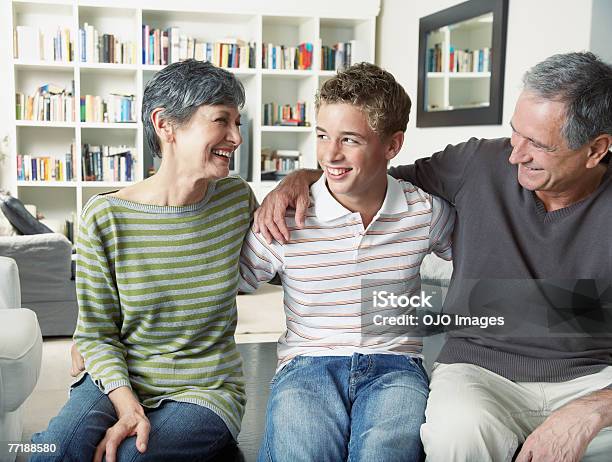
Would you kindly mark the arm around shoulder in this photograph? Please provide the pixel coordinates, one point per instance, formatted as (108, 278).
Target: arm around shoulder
(444, 173)
(293, 191)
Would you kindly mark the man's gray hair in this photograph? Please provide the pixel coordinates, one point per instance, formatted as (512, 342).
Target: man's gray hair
(583, 83)
(181, 88)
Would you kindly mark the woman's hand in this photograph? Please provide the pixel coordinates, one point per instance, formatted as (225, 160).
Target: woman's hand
(78, 363)
(132, 421)
(128, 425)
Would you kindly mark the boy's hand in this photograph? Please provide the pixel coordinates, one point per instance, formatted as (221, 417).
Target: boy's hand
(293, 191)
(78, 363)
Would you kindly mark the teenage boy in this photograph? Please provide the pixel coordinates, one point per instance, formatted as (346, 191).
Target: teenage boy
(340, 393)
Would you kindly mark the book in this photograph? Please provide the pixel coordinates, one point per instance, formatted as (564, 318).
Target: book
(46, 167)
(49, 102)
(107, 163)
(161, 47)
(287, 57)
(286, 115)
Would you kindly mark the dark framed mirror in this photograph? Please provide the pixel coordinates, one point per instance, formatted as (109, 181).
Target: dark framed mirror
(462, 54)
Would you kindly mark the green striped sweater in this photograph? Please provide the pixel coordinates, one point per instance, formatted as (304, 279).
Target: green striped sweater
(157, 298)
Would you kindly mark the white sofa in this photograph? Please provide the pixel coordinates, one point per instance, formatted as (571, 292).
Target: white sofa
(20, 356)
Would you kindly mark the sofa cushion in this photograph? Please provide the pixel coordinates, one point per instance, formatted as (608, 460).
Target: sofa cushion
(14, 210)
(20, 356)
(10, 295)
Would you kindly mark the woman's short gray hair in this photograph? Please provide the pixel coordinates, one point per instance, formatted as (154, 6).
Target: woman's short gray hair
(583, 83)
(181, 88)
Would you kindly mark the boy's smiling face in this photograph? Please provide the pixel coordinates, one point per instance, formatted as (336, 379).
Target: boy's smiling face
(352, 155)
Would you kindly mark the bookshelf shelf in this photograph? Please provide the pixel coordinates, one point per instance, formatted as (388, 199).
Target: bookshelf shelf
(47, 184)
(469, 75)
(43, 124)
(105, 184)
(49, 65)
(285, 129)
(286, 73)
(120, 126)
(108, 67)
(44, 2)
(458, 75)
(264, 22)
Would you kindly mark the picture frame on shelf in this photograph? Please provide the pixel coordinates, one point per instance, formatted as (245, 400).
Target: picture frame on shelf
(461, 65)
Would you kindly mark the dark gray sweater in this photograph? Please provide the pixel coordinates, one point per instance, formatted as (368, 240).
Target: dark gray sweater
(503, 232)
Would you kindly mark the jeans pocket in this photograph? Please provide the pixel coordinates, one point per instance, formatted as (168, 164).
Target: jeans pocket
(78, 382)
(416, 365)
(286, 369)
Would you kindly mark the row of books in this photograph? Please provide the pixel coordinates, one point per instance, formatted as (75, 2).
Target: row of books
(114, 108)
(282, 165)
(288, 115)
(46, 168)
(434, 58)
(105, 48)
(32, 44)
(107, 163)
(49, 102)
(470, 60)
(279, 161)
(338, 56)
(284, 57)
(459, 60)
(167, 46)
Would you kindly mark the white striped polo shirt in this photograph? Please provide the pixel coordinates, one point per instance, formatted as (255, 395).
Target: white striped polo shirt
(324, 264)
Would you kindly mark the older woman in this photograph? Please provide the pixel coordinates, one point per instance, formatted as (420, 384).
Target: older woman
(156, 282)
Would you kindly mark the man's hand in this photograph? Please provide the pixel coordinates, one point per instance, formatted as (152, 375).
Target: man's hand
(565, 435)
(78, 363)
(134, 423)
(293, 191)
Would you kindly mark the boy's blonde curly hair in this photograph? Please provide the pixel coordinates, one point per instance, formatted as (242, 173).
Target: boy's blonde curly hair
(365, 85)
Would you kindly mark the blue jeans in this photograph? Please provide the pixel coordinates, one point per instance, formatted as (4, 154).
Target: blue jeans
(355, 408)
(179, 431)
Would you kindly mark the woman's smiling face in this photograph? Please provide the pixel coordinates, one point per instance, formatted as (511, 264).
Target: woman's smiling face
(208, 140)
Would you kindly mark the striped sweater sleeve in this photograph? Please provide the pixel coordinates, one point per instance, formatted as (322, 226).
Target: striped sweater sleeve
(259, 262)
(98, 327)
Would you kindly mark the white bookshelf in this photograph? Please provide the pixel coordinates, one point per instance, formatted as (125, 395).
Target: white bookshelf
(319, 22)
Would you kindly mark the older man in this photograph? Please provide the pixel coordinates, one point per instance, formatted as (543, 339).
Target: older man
(535, 206)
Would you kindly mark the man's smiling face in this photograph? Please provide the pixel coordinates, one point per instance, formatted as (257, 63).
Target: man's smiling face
(545, 162)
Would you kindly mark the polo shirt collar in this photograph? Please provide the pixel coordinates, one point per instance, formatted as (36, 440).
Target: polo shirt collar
(327, 208)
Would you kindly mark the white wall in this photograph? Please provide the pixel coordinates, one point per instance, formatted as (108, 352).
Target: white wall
(7, 102)
(601, 29)
(536, 29)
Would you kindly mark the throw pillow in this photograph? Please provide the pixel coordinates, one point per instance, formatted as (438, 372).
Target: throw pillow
(20, 218)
